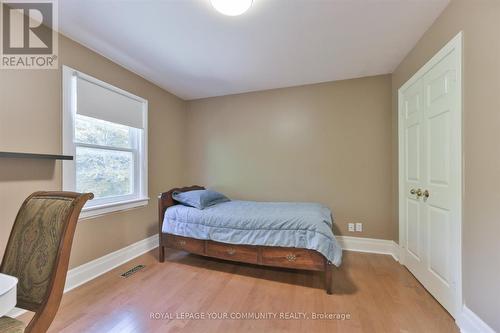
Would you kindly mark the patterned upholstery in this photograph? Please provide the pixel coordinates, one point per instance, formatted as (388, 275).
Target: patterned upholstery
(11, 325)
(35, 238)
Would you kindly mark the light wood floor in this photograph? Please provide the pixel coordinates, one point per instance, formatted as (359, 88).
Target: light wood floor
(378, 294)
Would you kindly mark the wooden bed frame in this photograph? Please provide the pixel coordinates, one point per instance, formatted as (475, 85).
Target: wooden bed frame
(288, 257)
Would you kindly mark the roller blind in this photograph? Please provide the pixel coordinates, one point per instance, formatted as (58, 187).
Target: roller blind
(96, 101)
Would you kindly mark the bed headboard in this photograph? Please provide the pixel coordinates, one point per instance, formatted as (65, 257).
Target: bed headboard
(165, 200)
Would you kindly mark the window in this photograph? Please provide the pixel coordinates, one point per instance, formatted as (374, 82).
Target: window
(104, 128)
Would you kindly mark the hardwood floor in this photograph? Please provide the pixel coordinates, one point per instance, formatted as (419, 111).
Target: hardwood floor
(379, 295)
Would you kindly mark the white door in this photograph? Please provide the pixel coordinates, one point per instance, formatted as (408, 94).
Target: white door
(430, 119)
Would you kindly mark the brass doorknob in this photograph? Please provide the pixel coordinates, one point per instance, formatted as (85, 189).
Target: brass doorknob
(417, 192)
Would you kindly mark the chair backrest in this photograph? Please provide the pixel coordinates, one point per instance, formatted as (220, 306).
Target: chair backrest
(38, 252)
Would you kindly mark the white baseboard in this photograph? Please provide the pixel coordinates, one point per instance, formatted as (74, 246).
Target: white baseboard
(370, 245)
(88, 271)
(469, 322)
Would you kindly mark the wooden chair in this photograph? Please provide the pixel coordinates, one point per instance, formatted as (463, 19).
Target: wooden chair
(37, 254)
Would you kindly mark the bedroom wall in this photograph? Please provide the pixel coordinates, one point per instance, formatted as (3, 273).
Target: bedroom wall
(329, 143)
(30, 121)
(480, 22)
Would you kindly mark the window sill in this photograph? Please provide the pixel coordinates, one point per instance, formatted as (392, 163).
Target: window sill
(95, 211)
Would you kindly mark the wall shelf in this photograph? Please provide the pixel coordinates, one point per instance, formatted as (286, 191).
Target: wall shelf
(5, 154)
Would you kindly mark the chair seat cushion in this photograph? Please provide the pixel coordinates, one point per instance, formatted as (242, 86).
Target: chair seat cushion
(11, 325)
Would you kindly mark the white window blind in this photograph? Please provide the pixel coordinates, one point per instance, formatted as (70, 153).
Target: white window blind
(105, 129)
(96, 101)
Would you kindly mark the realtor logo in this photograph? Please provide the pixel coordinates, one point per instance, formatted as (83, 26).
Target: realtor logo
(28, 34)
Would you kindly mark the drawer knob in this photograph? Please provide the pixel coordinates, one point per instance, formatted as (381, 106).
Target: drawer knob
(291, 257)
(181, 242)
(231, 251)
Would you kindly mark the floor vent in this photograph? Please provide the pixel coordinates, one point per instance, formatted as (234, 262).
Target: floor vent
(132, 271)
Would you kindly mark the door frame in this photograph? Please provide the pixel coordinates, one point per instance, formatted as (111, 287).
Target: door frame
(454, 44)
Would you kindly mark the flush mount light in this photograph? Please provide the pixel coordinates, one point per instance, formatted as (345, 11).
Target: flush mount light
(231, 7)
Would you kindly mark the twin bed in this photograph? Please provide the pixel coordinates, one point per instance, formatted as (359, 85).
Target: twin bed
(290, 235)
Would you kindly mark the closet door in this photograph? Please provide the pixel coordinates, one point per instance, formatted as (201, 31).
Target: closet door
(430, 179)
(414, 177)
(441, 199)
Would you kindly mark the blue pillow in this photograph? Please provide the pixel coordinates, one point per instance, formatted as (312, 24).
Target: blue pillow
(199, 198)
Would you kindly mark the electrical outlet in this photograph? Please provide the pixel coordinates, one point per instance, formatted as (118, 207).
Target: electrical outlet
(350, 227)
(359, 227)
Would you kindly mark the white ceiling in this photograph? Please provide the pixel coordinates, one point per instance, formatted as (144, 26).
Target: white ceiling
(189, 49)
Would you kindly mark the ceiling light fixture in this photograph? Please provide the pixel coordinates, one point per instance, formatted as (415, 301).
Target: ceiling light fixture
(231, 7)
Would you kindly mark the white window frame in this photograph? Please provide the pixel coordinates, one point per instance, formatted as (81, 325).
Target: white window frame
(103, 206)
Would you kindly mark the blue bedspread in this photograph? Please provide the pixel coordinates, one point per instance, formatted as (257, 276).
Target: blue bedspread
(287, 224)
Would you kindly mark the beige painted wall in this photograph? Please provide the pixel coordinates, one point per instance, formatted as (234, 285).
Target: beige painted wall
(480, 22)
(30, 120)
(329, 143)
